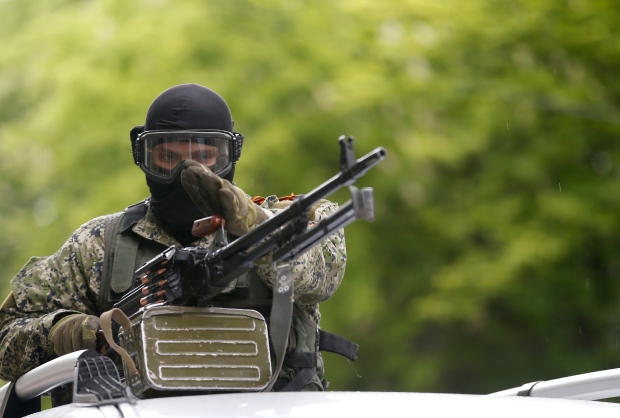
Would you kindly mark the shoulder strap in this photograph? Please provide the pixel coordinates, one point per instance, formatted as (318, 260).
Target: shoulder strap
(119, 254)
(133, 214)
(111, 230)
(280, 318)
(126, 249)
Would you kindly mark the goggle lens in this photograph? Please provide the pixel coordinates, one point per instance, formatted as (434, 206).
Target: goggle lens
(163, 152)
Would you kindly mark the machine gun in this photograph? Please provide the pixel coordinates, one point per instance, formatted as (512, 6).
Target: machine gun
(188, 276)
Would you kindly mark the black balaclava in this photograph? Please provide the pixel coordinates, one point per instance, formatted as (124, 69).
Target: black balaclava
(183, 107)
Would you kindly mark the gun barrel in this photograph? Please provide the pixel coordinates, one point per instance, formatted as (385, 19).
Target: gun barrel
(346, 177)
(304, 202)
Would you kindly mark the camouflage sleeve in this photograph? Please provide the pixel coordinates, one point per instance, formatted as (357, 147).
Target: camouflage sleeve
(44, 290)
(318, 272)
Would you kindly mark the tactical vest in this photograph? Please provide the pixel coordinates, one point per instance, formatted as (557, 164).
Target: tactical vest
(302, 369)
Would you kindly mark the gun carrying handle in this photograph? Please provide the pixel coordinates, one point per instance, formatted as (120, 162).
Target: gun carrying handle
(106, 326)
(206, 226)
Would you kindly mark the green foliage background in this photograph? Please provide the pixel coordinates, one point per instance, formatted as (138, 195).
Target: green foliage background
(494, 259)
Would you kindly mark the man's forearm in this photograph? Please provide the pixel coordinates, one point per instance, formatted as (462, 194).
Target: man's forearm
(23, 341)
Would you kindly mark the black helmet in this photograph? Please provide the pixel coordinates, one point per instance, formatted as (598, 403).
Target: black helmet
(186, 122)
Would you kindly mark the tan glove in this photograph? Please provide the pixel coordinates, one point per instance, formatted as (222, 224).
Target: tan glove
(217, 196)
(74, 332)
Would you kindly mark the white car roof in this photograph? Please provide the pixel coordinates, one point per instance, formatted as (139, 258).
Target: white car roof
(341, 405)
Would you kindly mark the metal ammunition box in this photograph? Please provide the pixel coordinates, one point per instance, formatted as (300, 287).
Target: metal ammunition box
(178, 348)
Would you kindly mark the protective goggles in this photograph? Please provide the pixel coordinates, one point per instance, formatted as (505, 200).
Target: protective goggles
(160, 153)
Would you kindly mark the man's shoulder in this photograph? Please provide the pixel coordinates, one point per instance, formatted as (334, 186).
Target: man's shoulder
(131, 213)
(95, 229)
(97, 224)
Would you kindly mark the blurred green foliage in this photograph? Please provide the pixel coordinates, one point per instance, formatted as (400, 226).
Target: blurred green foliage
(494, 260)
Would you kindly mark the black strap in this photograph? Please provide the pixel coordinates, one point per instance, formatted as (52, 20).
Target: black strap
(133, 214)
(336, 344)
(304, 368)
(299, 360)
(299, 381)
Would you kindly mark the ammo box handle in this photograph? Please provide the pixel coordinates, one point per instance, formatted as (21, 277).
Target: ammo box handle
(106, 326)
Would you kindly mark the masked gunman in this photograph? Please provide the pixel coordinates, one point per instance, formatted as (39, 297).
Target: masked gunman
(188, 151)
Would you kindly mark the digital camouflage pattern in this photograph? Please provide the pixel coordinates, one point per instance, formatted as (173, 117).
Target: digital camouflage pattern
(67, 282)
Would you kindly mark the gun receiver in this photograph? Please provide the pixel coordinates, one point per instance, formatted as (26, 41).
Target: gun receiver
(201, 273)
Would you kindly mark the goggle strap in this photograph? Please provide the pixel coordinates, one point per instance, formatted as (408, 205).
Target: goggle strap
(237, 145)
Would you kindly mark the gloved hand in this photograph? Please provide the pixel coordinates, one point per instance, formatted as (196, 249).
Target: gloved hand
(217, 196)
(74, 332)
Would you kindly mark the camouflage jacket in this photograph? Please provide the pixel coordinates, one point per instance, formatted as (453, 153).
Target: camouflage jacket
(68, 282)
